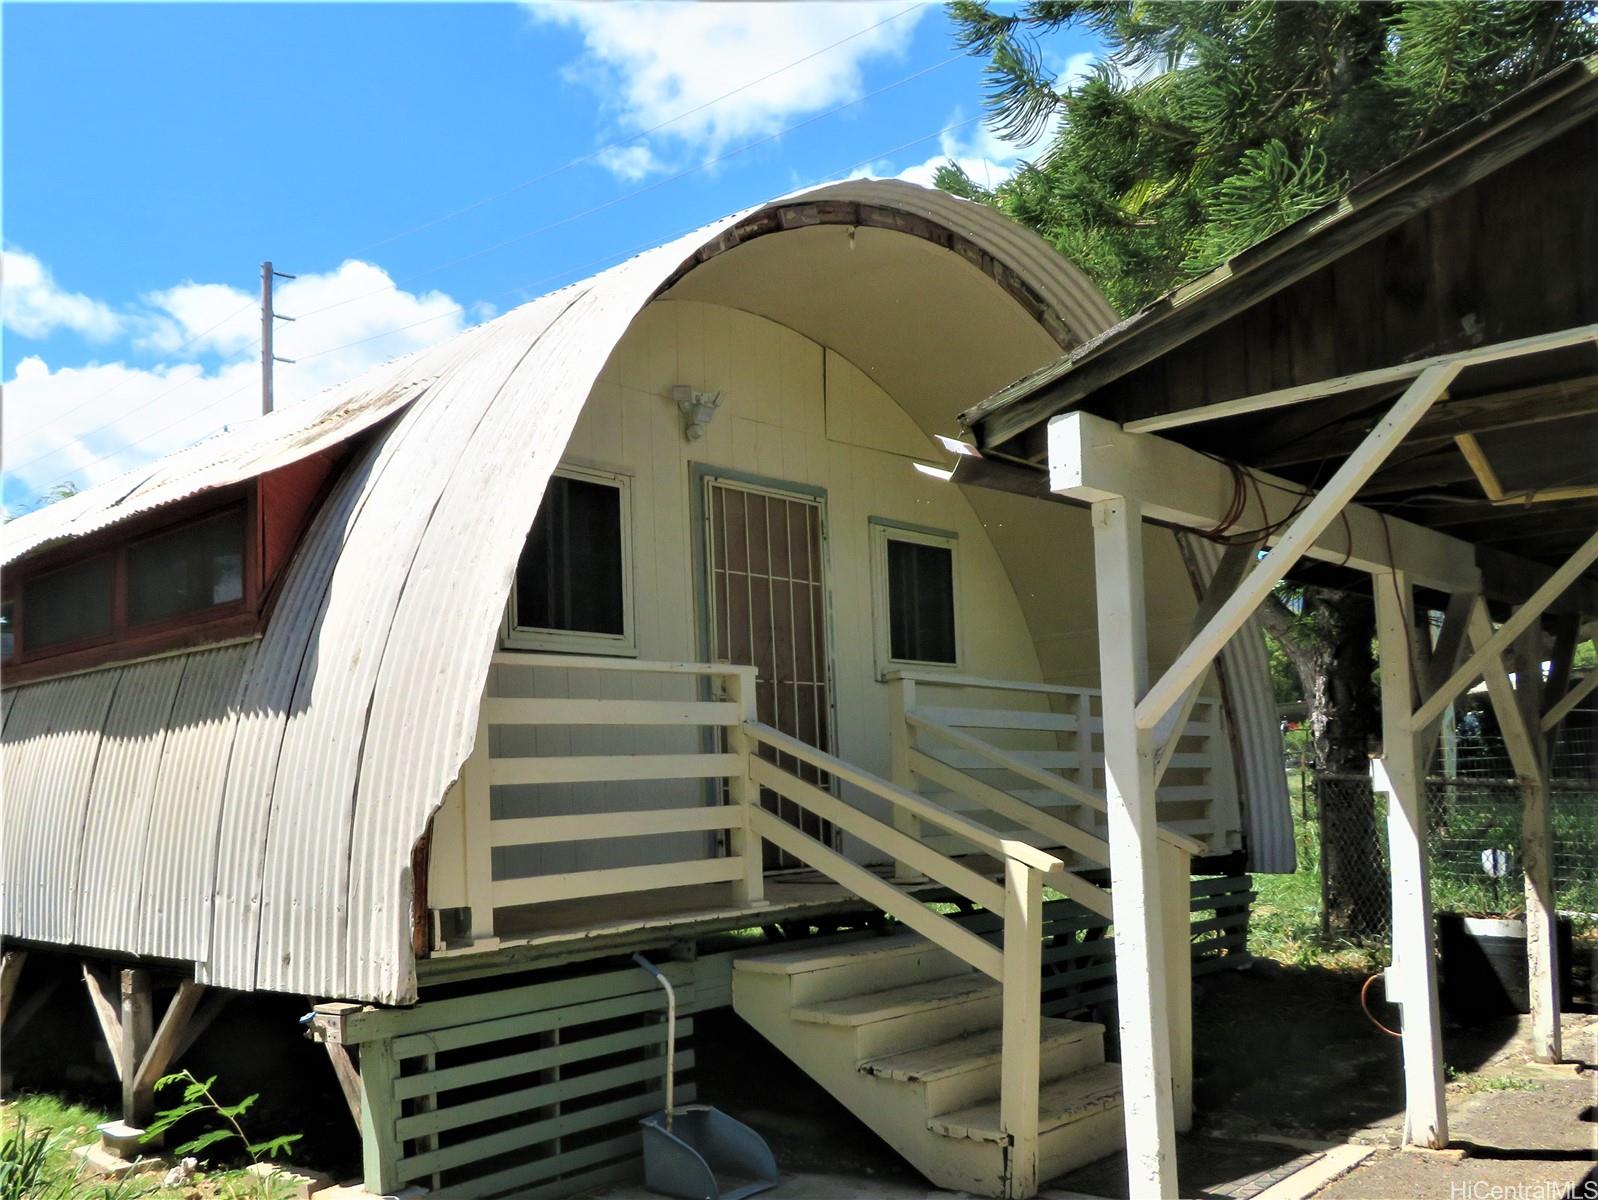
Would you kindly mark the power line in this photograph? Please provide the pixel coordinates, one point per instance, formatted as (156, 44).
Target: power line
(519, 289)
(593, 155)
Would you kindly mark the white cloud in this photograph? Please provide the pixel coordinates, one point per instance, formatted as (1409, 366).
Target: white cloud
(32, 305)
(629, 163)
(650, 62)
(980, 153)
(89, 423)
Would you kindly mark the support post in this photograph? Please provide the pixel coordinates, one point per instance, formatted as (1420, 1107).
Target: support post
(1412, 979)
(10, 971)
(1176, 882)
(1140, 958)
(169, 1038)
(138, 1030)
(1536, 855)
(1020, 1060)
(743, 841)
(267, 324)
(380, 1112)
(902, 700)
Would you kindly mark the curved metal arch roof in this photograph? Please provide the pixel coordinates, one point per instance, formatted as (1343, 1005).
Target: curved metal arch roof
(254, 807)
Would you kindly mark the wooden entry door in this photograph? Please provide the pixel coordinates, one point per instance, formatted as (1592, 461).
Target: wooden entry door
(768, 610)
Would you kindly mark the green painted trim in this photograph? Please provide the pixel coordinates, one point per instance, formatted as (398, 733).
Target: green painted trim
(538, 1022)
(628, 1147)
(911, 527)
(380, 1110)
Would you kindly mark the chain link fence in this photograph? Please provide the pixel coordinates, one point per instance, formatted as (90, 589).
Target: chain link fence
(1474, 816)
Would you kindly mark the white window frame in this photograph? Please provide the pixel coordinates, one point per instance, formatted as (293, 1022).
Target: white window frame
(568, 641)
(882, 532)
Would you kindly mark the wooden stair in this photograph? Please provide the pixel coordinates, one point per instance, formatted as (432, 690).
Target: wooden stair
(906, 1036)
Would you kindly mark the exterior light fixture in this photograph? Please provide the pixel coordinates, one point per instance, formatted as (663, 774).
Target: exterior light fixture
(697, 409)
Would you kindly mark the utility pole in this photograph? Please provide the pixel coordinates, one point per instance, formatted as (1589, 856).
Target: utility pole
(269, 319)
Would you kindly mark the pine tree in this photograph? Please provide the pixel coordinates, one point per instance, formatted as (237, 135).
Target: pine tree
(1207, 126)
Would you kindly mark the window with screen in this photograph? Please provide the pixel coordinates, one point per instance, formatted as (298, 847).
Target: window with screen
(188, 569)
(917, 597)
(72, 604)
(572, 588)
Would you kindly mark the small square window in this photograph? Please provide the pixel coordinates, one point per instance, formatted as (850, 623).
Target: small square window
(573, 587)
(188, 569)
(69, 605)
(917, 597)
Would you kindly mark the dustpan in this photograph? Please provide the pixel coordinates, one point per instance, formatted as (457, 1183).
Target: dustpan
(697, 1152)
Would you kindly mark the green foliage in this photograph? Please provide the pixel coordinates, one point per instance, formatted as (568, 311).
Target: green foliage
(35, 1164)
(199, 1098)
(1210, 125)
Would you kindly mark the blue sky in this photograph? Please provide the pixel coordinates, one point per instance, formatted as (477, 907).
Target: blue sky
(390, 156)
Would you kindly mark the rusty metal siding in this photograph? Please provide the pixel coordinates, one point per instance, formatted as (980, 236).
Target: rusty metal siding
(180, 845)
(110, 879)
(296, 773)
(1256, 728)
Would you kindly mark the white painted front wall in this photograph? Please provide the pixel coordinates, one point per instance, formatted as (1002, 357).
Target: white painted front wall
(792, 412)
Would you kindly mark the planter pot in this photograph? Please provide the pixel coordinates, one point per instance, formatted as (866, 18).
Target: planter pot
(1483, 965)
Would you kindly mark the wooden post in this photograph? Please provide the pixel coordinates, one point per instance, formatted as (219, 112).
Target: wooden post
(1020, 1061)
(138, 1030)
(380, 1112)
(742, 839)
(901, 701)
(1176, 875)
(170, 1039)
(1536, 853)
(10, 971)
(1140, 958)
(1412, 979)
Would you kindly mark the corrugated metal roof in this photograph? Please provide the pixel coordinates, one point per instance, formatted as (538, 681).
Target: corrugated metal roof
(280, 802)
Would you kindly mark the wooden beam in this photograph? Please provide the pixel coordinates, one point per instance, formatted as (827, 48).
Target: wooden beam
(169, 1037)
(1300, 536)
(1140, 955)
(1476, 458)
(138, 1031)
(349, 1079)
(1500, 642)
(1577, 692)
(1359, 380)
(1412, 981)
(1093, 459)
(18, 1018)
(102, 998)
(10, 971)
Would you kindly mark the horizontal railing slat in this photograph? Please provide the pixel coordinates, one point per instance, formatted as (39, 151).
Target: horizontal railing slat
(998, 718)
(570, 1087)
(879, 834)
(439, 1041)
(937, 928)
(505, 710)
(973, 832)
(444, 1079)
(638, 666)
(627, 1148)
(1044, 779)
(606, 881)
(611, 768)
(577, 827)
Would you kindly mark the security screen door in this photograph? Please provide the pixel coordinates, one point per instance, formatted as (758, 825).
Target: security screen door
(768, 606)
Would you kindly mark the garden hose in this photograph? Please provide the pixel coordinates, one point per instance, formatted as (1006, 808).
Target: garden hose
(1364, 1003)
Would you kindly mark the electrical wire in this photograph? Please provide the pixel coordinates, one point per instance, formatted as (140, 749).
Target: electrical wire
(520, 289)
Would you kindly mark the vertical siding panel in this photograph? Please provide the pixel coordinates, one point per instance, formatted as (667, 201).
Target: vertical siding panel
(110, 876)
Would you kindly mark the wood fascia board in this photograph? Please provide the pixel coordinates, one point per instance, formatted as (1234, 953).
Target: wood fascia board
(1282, 260)
(1094, 459)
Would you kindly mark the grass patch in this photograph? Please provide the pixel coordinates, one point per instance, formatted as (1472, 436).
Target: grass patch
(38, 1133)
(1470, 1085)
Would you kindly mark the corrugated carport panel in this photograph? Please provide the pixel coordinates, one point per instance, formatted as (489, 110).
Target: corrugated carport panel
(306, 875)
(444, 630)
(110, 876)
(1267, 809)
(20, 752)
(63, 739)
(181, 869)
(258, 738)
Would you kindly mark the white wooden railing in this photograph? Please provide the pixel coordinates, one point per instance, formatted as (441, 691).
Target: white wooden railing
(1032, 753)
